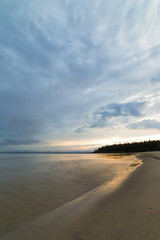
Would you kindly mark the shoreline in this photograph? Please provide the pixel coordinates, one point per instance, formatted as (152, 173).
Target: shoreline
(132, 211)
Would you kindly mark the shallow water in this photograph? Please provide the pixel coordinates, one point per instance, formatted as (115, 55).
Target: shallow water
(32, 185)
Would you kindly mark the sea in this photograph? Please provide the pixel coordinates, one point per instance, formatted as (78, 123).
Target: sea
(32, 185)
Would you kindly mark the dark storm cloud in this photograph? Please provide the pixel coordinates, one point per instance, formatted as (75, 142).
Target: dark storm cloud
(146, 124)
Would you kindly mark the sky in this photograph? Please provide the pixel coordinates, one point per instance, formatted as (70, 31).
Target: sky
(76, 75)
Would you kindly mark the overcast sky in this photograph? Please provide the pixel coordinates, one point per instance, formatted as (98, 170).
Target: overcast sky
(75, 75)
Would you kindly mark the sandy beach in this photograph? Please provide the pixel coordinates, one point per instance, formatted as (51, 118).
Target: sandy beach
(119, 210)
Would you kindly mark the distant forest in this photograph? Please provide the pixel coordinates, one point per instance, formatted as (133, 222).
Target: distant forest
(130, 147)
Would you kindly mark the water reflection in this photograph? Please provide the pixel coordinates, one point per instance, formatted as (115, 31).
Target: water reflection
(34, 184)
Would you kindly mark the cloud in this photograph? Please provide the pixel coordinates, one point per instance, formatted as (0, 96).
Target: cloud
(19, 127)
(81, 129)
(61, 60)
(115, 110)
(19, 142)
(146, 124)
(100, 118)
(155, 80)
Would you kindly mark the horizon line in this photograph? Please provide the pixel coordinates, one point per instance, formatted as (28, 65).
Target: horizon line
(45, 152)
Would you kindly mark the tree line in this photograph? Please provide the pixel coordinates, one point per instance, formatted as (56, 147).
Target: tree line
(130, 147)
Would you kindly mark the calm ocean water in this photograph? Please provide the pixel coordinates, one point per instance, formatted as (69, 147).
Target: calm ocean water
(32, 185)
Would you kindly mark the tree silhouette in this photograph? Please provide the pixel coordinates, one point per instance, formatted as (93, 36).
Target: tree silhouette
(130, 147)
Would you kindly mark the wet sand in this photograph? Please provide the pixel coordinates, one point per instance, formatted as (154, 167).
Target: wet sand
(123, 209)
(32, 186)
